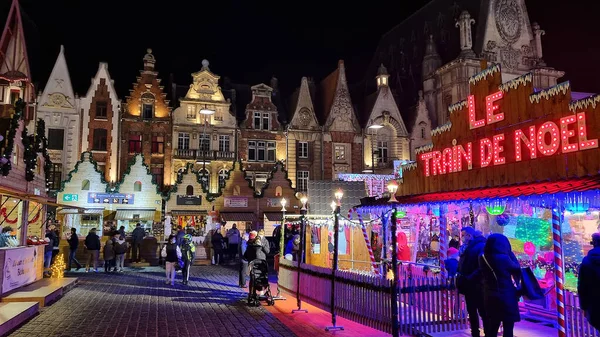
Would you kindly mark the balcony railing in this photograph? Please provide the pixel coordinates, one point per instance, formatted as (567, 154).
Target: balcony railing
(204, 155)
(384, 163)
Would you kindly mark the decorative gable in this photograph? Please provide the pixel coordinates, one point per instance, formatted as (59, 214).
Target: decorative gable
(304, 113)
(14, 64)
(261, 107)
(148, 91)
(205, 86)
(385, 112)
(84, 178)
(58, 92)
(341, 114)
(138, 181)
(421, 130)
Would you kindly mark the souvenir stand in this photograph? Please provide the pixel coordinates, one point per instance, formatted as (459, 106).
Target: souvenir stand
(516, 161)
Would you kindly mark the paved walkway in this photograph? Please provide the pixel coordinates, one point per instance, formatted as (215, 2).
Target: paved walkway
(138, 303)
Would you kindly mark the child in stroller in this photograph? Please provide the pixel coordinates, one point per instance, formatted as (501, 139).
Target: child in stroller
(259, 281)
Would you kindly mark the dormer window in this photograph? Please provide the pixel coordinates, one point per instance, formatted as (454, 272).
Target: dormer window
(147, 106)
(261, 121)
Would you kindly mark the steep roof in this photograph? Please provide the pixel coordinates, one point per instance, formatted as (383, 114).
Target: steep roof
(59, 80)
(402, 48)
(14, 62)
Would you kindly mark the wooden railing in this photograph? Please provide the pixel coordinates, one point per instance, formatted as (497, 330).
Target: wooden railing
(577, 324)
(424, 304)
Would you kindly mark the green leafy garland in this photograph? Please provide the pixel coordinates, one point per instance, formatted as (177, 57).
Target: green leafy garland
(30, 154)
(42, 145)
(76, 169)
(277, 166)
(9, 142)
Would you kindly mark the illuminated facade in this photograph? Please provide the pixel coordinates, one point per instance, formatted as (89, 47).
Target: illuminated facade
(261, 142)
(100, 120)
(386, 137)
(146, 125)
(58, 106)
(204, 131)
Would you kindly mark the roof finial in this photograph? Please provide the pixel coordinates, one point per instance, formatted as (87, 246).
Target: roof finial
(205, 64)
(149, 60)
(464, 22)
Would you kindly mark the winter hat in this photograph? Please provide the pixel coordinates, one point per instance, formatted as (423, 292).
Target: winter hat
(253, 235)
(452, 251)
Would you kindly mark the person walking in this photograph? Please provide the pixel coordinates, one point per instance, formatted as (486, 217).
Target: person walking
(92, 245)
(233, 237)
(208, 248)
(48, 250)
(587, 284)
(171, 253)
(121, 247)
(499, 266)
(137, 237)
(109, 255)
(73, 245)
(468, 279)
(217, 243)
(243, 270)
(188, 253)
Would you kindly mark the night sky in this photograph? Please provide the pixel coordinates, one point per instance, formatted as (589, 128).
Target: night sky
(249, 41)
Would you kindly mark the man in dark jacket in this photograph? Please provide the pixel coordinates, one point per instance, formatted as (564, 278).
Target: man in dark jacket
(587, 285)
(469, 277)
(73, 245)
(92, 244)
(137, 236)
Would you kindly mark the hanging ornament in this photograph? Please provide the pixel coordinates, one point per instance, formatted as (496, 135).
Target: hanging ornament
(503, 220)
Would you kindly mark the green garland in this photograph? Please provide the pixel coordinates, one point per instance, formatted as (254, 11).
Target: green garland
(9, 142)
(42, 144)
(30, 154)
(76, 169)
(271, 175)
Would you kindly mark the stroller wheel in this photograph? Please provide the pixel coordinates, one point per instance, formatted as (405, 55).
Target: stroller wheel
(271, 302)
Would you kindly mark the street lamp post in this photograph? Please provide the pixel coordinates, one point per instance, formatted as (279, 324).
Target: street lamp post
(335, 207)
(393, 187)
(281, 244)
(300, 257)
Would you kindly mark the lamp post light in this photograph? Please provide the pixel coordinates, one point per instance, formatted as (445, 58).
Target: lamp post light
(335, 207)
(392, 188)
(300, 257)
(281, 244)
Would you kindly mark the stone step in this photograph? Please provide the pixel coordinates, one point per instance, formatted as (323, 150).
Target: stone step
(12, 315)
(44, 291)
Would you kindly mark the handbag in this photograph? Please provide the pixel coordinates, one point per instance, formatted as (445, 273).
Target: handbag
(530, 287)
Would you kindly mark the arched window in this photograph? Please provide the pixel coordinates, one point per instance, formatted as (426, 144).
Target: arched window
(222, 177)
(147, 106)
(85, 185)
(236, 190)
(278, 191)
(205, 178)
(137, 186)
(189, 190)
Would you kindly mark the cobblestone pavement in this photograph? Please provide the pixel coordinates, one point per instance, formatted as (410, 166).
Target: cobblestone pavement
(138, 303)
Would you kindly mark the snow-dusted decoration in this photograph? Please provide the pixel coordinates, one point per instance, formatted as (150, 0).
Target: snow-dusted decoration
(552, 91)
(424, 148)
(485, 73)
(442, 128)
(409, 166)
(457, 106)
(584, 103)
(515, 83)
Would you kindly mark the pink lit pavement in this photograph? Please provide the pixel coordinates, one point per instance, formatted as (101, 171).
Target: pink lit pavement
(314, 322)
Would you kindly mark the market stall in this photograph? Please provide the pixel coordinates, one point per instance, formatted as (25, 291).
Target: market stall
(516, 161)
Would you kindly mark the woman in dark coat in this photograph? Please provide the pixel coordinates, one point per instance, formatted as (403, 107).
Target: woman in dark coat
(255, 249)
(499, 266)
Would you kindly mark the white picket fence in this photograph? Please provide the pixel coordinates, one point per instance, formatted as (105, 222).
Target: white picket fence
(424, 304)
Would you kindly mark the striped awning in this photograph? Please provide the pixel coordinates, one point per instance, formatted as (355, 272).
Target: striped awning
(177, 212)
(274, 216)
(239, 216)
(135, 214)
(81, 211)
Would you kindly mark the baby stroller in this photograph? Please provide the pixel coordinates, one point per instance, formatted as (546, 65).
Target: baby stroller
(259, 281)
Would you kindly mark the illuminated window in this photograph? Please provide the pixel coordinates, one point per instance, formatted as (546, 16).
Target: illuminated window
(340, 152)
(223, 173)
(204, 178)
(191, 112)
(137, 186)
(135, 143)
(224, 143)
(158, 144)
(302, 181)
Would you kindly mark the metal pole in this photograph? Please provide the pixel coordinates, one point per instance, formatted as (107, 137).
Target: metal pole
(394, 289)
(300, 259)
(281, 249)
(336, 237)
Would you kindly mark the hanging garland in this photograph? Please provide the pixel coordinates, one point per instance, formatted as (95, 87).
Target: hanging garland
(83, 159)
(42, 146)
(35, 218)
(3, 213)
(9, 142)
(30, 154)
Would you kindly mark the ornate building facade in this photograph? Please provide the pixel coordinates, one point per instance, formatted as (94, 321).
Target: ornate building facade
(204, 131)
(100, 123)
(304, 136)
(261, 143)
(146, 125)
(58, 106)
(386, 137)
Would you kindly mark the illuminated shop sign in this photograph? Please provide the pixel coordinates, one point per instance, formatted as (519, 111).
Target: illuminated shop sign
(110, 198)
(568, 134)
